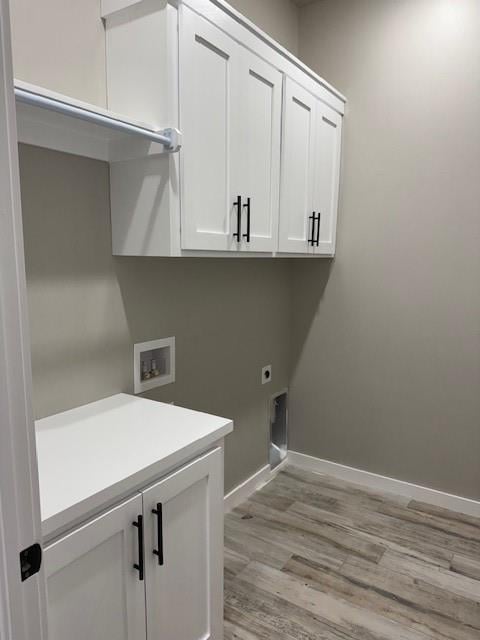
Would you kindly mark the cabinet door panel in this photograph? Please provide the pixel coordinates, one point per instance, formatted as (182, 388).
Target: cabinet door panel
(93, 590)
(185, 593)
(327, 173)
(260, 129)
(208, 89)
(296, 204)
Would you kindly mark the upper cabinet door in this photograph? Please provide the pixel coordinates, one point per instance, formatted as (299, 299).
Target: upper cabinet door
(298, 170)
(184, 552)
(327, 174)
(209, 92)
(260, 132)
(94, 591)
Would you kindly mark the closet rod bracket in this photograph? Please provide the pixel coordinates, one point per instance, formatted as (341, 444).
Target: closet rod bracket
(174, 137)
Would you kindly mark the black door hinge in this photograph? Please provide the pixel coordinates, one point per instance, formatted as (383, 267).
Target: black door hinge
(30, 561)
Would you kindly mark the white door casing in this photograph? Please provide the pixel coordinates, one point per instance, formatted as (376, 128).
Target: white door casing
(22, 604)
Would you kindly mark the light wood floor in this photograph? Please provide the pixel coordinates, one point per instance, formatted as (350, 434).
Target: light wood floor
(309, 557)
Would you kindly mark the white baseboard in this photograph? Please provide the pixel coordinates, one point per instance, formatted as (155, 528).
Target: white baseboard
(357, 476)
(244, 490)
(388, 485)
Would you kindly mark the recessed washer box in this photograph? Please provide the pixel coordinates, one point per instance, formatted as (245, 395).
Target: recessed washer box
(153, 364)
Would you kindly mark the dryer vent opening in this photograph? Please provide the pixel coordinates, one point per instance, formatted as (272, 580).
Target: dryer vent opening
(278, 429)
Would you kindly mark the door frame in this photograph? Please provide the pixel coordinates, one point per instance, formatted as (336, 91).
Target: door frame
(23, 611)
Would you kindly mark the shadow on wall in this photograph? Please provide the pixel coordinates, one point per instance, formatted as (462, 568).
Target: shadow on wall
(220, 312)
(230, 317)
(140, 200)
(313, 276)
(79, 336)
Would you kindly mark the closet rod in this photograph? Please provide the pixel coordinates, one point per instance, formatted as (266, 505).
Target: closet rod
(166, 137)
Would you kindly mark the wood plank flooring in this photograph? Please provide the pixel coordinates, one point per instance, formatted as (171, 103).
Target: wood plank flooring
(311, 557)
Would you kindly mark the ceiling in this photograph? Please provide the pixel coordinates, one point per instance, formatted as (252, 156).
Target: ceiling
(303, 3)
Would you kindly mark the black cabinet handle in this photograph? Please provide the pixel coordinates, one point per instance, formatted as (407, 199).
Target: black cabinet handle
(238, 204)
(311, 240)
(317, 239)
(159, 551)
(247, 235)
(141, 560)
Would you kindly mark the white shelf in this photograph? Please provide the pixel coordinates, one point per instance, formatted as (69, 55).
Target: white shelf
(52, 120)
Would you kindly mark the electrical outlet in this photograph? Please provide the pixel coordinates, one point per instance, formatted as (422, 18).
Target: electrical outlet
(267, 374)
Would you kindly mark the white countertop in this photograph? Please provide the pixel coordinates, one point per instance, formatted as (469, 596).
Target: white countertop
(88, 457)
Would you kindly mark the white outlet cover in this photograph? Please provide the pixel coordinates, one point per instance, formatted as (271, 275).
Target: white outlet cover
(267, 374)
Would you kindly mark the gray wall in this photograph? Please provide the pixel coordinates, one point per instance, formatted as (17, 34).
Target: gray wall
(278, 18)
(60, 44)
(230, 317)
(386, 341)
(386, 372)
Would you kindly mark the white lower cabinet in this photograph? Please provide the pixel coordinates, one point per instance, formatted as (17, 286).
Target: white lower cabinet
(93, 590)
(151, 566)
(184, 581)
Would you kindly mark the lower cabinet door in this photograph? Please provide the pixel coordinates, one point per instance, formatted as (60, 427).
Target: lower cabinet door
(94, 591)
(184, 552)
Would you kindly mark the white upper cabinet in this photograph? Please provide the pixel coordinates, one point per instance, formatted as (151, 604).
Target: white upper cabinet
(310, 174)
(209, 90)
(259, 125)
(230, 116)
(298, 170)
(327, 174)
(260, 135)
